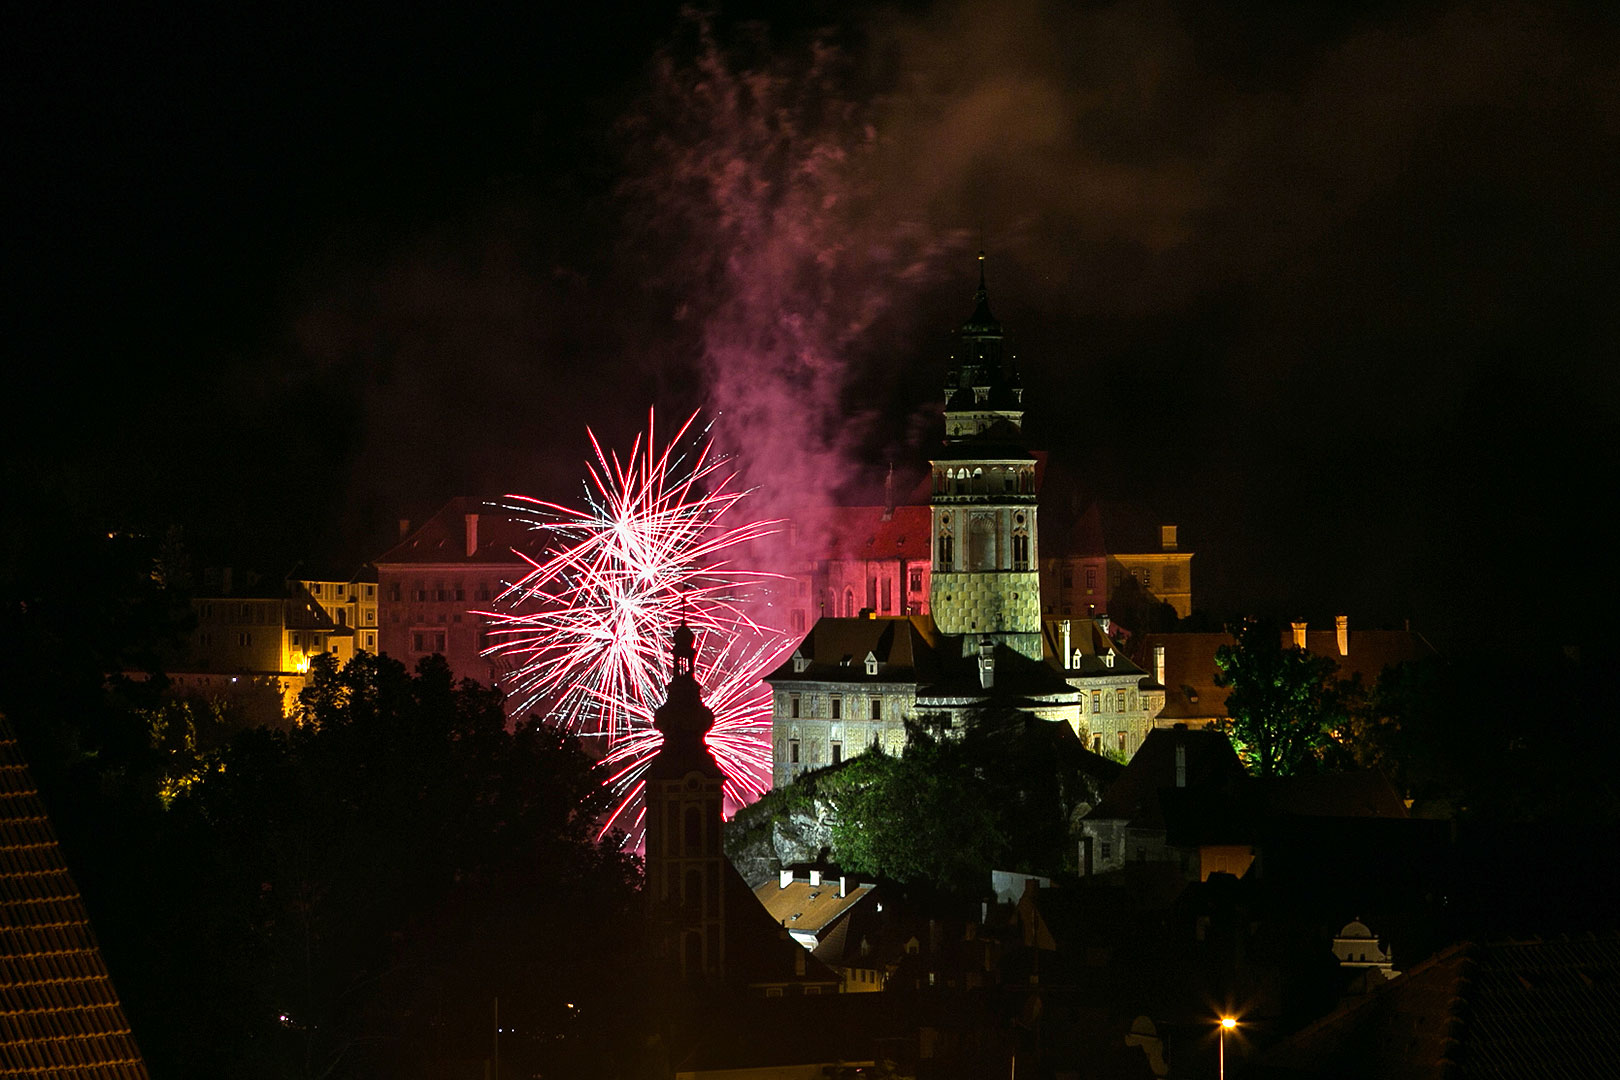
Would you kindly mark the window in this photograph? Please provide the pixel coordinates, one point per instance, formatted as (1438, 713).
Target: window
(837, 707)
(849, 603)
(1020, 551)
(393, 592)
(421, 595)
(1068, 577)
(428, 641)
(1120, 707)
(1096, 701)
(947, 551)
(1107, 850)
(371, 592)
(793, 751)
(1091, 578)
(877, 708)
(837, 752)
(798, 620)
(916, 581)
(1096, 744)
(793, 706)
(1122, 742)
(244, 638)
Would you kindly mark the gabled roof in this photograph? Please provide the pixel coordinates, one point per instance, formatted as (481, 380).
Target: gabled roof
(1362, 793)
(444, 537)
(836, 651)
(807, 908)
(1516, 1009)
(59, 1014)
(874, 532)
(759, 951)
(1091, 641)
(1212, 766)
(1100, 529)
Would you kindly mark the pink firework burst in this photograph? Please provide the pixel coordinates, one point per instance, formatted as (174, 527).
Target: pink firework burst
(587, 628)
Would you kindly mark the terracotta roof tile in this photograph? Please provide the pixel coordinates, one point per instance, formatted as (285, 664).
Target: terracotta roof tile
(59, 1015)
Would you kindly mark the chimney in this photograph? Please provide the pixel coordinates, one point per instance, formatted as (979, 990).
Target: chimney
(1299, 634)
(987, 663)
(1167, 537)
(1341, 627)
(1158, 664)
(888, 494)
(1105, 622)
(1181, 759)
(472, 535)
(815, 879)
(843, 886)
(784, 878)
(225, 581)
(404, 527)
(1068, 649)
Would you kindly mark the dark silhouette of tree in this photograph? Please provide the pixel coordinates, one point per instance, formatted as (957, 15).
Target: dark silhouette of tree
(1283, 703)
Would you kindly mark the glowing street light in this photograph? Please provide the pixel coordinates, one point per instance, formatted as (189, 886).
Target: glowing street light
(1227, 1024)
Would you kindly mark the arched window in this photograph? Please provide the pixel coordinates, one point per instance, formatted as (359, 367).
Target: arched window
(849, 603)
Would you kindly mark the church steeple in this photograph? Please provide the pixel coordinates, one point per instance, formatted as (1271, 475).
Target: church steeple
(684, 804)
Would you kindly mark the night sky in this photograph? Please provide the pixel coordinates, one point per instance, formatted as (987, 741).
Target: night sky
(1336, 293)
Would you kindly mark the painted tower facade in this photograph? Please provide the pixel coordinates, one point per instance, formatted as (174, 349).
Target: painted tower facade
(985, 580)
(685, 884)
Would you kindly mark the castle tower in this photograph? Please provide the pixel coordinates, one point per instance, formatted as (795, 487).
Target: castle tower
(685, 872)
(986, 583)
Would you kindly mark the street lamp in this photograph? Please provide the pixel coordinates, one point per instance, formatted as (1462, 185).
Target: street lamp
(1227, 1024)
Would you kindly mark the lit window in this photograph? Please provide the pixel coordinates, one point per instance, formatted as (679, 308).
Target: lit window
(1122, 742)
(1096, 701)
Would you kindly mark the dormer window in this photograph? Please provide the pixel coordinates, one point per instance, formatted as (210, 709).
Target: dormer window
(871, 663)
(799, 663)
(1108, 658)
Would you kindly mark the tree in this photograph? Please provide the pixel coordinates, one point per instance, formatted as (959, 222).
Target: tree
(998, 795)
(1283, 703)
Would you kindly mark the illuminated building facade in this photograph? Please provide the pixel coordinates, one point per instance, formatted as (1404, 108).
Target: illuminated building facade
(434, 581)
(867, 664)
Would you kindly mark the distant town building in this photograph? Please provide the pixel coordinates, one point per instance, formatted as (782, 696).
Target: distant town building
(1184, 664)
(433, 583)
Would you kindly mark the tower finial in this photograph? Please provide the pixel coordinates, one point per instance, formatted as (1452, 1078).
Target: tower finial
(981, 270)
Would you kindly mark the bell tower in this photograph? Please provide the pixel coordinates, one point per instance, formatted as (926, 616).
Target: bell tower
(685, 873)
(985, 583)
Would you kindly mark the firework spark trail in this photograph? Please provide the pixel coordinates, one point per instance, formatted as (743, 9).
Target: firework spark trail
(588, 625)
(739, 740)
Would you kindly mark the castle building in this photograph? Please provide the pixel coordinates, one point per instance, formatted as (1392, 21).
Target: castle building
(433, 583)
(983, 641)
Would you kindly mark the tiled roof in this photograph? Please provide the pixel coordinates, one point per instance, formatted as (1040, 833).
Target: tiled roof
(807, 908)
(59, 1015)
(1211, 766)
(443, 538)
(1515, 1010)
(861, 532)
(837, 648)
